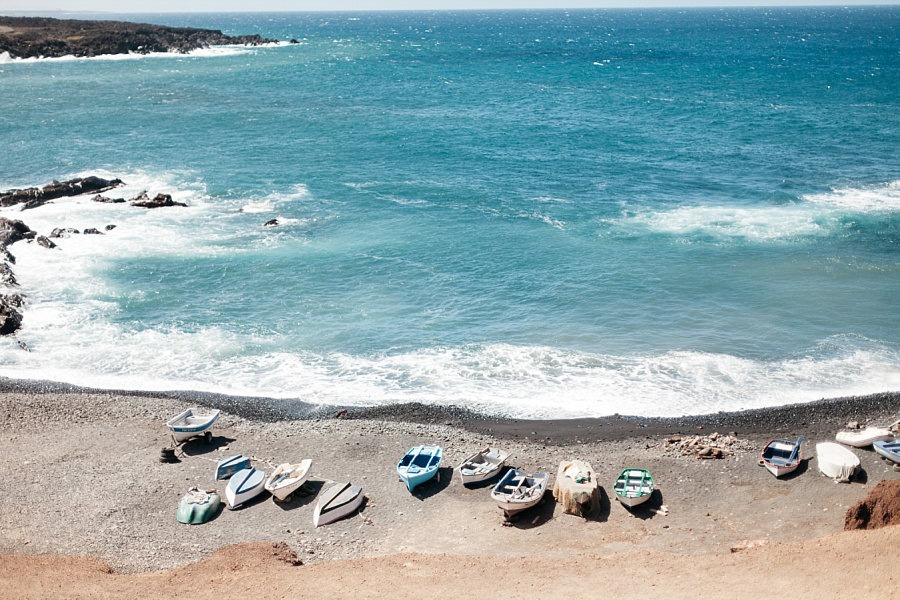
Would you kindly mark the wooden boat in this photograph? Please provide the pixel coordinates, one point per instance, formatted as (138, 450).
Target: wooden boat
(286, 478)
(341, 500)
(227, 467)
(419, 465)
(633, 487)
(864, 437)
(836, 461)
(244, 485)
(198, 506)
(577, 488)
(888, 449)
(482, 465)
(781, 457)
(192, 423)
(517, 491)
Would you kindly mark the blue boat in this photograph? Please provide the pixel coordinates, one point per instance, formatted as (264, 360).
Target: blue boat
(227, 467)
(419, 465)
(888, 449)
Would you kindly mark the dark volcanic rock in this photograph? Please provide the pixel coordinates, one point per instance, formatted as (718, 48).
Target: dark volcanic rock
(159, 201)
(44, 241)
(61, 232)
(25, 37)
(92, 231)
(10, 317)
(99, 198)
(12, 231)
(110, 227)
(7, 277)
(271, 223)
(33, 197)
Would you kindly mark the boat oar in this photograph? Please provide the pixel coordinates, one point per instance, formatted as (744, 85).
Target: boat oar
(795, 450)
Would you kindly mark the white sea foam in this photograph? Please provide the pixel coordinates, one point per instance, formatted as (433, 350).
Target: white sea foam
(259, 206)
(210, 52)
(879, 198)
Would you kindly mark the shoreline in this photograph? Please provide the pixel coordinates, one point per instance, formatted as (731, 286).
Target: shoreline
(826, 413)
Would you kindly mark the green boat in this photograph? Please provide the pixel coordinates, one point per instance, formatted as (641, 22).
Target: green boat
(633, 487)
(198, 507)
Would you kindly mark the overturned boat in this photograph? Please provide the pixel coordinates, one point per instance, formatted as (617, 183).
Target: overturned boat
(244, 485)
(341, 500)
(836, 461)
(198, 506)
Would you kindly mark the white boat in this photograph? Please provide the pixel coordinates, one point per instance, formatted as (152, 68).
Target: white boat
(864, 437)
(888, 449)
(286, 478)
(781, 457)
(482, 465)
(633, 487)
(836, 461)
(243, 486)
(192, 423)
(341, 500)
(518, 491)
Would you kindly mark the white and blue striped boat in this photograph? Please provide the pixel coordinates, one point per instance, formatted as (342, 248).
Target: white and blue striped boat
(192, 423)
(227, 467)
(244, 485)
(419, 465)
(888, 449)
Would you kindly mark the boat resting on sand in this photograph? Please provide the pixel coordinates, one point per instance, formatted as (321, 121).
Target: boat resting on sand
(836, 461)
(482, 465)
(227, 467)
(341, 500)
(781, 457)
(419, 465)
(517, 491)
(198, 507)
(576, 488)
(888, 449)
(633, 487)
(244, 485)
(192, 423)
(286, 478)
(864, 437)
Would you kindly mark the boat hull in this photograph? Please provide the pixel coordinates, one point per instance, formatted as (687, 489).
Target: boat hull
(419, 464)
(836, 461)
(281, 490)
(198, 507)
(244, 486)
(781, 457)
(227, 467)
(483, 466)
(633, 487)
(342, 500)
(517, 492)
(191, 423)
(864, 438)
(888, 449)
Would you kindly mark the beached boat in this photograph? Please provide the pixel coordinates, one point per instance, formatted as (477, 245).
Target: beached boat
(244, 485)
(192, 423)
(482, 465)
(286, 478)
(227, 467)
(419, 465)
(633, 487)
(864, 437)
(577, 488)
(198, 506)
(781, 457)
(836, 461)
(341, 500)
(517, 491)
(890, 449)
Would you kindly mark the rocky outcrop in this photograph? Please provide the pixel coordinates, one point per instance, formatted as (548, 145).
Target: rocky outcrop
(25, 37)
(880, 508)
(34, 197)
(99, 198)
(11, 231)
(10, 316)
(159, 201)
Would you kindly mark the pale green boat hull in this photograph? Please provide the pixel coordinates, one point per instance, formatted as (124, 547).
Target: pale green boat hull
(192, 513)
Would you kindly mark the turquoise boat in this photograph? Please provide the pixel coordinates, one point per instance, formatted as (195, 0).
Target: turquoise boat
(419, 465)
(198, 507)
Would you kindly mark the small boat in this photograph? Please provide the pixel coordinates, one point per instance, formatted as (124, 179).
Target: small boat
(781, 457)
(286, 478)
(419, 465)
(341, 500)
(517, 491)
(482, 465)
(198, 506)
(227, 467)
(864, 437)
(888, 449)
(192, 423)
(576, 488)
(836, 461)
(633, 487)
(244, 485)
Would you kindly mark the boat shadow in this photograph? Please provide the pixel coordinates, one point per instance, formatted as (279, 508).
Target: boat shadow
(435, 485)
(535, 516)
(302, 496)
(198, 445)
(860, 476)
(604, 507)
(258, 499)
(800, 470)
(648, 509)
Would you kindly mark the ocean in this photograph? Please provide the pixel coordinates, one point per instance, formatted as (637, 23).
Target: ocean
(538, 214)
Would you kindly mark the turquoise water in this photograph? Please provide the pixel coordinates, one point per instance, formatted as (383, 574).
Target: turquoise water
(541, 213)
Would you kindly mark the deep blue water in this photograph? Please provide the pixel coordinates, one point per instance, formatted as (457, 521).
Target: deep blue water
(541, 213)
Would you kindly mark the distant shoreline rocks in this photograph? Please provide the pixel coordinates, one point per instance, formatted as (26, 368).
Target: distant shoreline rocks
(40, 37)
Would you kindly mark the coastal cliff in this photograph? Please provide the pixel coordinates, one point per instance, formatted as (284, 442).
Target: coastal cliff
(32, 37)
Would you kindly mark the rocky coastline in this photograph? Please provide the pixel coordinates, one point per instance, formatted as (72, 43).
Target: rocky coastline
(39, 37)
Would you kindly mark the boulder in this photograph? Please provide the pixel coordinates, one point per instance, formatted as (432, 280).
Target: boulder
(12, 231)
(44, 241)
(60, 232)
(99, 198)
(109, 227)
(92, 231)
(10, 316)
(159, 201)
(7, 277)
(271, 223)
(880, 507)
